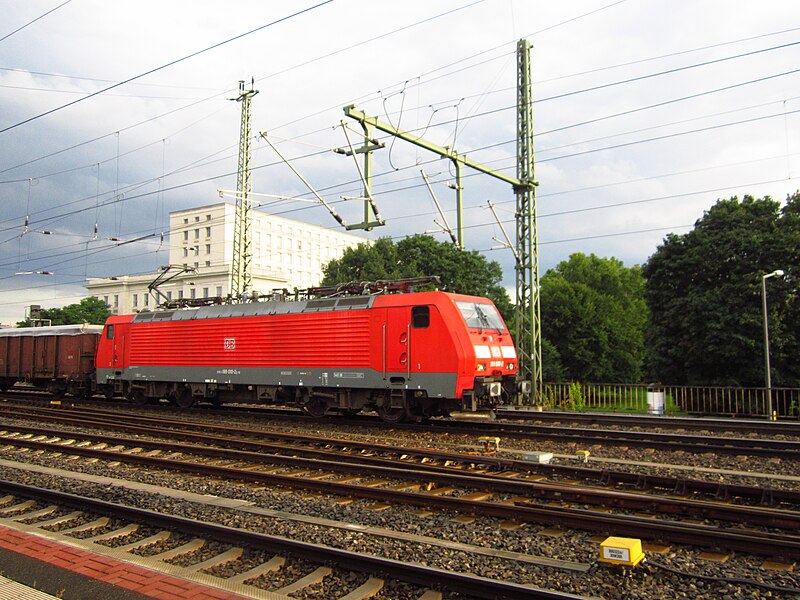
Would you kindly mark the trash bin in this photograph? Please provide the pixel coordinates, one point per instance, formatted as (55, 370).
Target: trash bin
(655, 399)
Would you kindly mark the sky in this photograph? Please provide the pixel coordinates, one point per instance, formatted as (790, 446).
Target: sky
(646, 112)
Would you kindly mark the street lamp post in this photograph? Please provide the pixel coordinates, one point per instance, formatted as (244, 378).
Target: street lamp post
(767, 377)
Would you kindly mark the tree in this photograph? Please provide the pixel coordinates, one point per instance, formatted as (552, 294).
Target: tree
(460, 271)
(89, 310)
(594, 317)
(704, 293)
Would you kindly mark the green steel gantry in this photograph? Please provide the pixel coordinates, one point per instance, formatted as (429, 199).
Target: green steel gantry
(528, 331)
(241, 262)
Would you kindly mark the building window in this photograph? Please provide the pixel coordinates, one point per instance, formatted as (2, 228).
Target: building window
(146, 299)
(193, 293)
(136, 299)
(208, 231)
(208, 248)
(116, 300)
(208, 217)
(208, 263)
(196, 265)
(205, 292)
(169, 295)
(219, 290)
(196, 234)
(185, 236)
(186, 221)
(180, 294)
(196, 251)
(185, 252)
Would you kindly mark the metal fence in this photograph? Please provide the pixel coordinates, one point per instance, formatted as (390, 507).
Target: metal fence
(673, 399)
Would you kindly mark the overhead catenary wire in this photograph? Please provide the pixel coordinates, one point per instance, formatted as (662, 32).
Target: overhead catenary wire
(115, 200)
(577, 142)
(166, 65)
(29, 23)
(480, 114)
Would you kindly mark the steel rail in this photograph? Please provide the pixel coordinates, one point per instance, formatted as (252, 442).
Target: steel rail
(665, 441)
(782, 519)
(675, 485)
(697, 535)
(658, 421)
(471, 585)
(788, 449)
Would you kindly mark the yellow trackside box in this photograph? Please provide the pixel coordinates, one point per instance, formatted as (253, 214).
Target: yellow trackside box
(621, 551)
(489, 443)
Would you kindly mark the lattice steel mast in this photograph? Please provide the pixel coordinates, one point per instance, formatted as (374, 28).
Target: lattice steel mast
(528, 314)
(529, 337)
(241, 262)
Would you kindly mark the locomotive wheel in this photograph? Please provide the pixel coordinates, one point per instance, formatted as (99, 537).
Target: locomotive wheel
(392, 415)
(315, 407)
(184, 398)
(137, 397)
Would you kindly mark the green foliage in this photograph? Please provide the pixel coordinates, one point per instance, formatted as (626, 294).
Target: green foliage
(463, 272)
(552, 369)
(89, 310)
(705, 296)
(593, 317)
(575, 399)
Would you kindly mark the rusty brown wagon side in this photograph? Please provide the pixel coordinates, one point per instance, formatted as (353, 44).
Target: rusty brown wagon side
(59, 358)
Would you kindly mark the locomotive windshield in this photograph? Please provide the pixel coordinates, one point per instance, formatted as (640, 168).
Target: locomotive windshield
(481, 316)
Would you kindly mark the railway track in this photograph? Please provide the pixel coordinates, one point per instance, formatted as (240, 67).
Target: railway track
(366, 477)
(18, 507)
(752, 446)
(314, 447)
(789, 449)
(788, 428)
(590, 434)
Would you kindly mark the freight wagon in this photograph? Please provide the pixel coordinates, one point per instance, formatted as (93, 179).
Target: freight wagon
(59, 358)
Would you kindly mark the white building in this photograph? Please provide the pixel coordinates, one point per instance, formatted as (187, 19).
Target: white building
(286, 254)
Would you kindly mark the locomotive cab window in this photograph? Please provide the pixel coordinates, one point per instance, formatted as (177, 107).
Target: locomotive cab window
(110, 332)
(420, 316)
(481, 316)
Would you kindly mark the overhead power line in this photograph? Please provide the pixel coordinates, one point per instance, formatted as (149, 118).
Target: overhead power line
(166, 65)
(18, 29)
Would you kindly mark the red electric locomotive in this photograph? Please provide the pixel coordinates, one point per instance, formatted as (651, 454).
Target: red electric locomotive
(403, 355)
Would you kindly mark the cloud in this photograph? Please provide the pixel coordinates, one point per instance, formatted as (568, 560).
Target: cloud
(445, 71)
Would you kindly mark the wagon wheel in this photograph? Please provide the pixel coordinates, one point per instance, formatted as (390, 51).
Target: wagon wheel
(57, 391)
(185, 398)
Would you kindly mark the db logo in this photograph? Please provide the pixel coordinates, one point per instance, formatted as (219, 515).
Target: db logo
(230, 344)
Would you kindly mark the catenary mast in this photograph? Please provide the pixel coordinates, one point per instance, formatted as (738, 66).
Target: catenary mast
(242, 260)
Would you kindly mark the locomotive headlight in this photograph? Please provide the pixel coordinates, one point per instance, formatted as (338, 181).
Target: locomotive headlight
(481, 367)
(510, 366)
